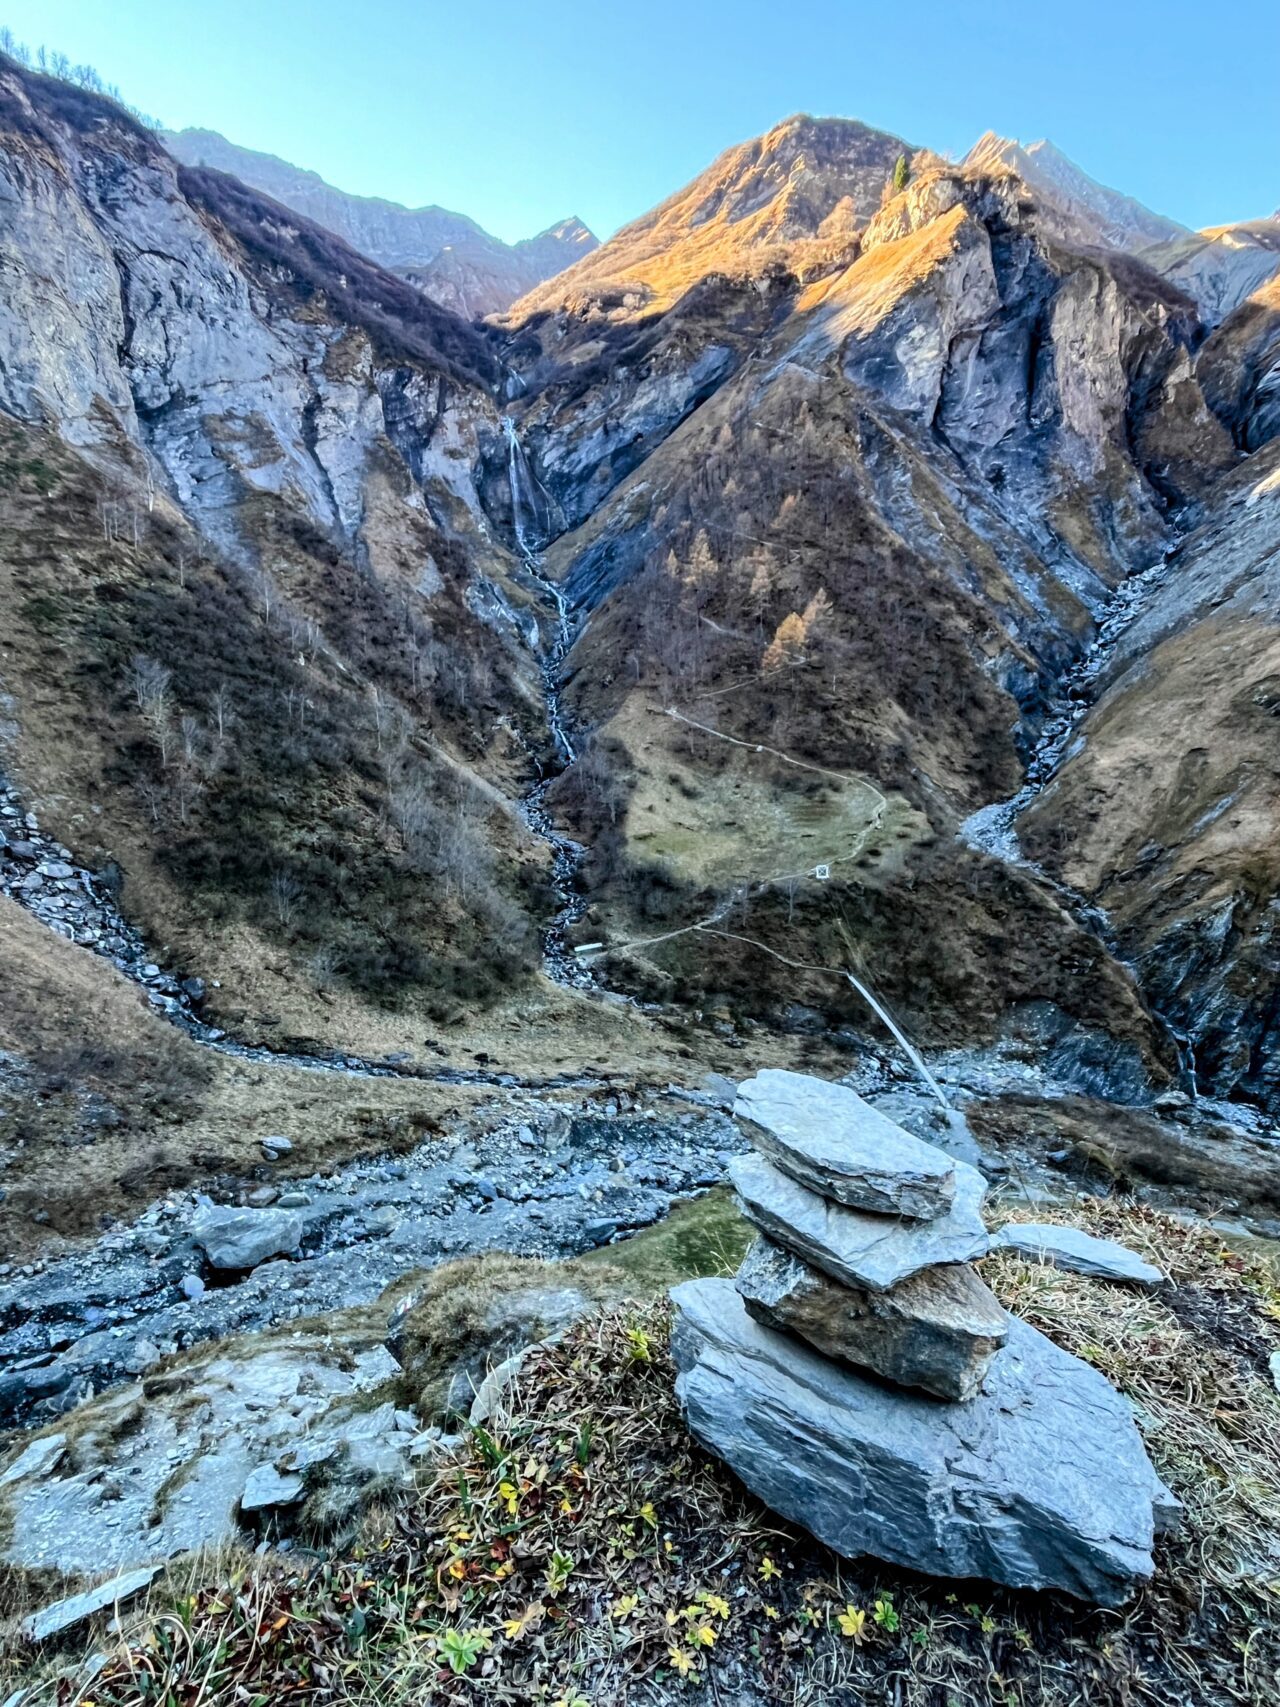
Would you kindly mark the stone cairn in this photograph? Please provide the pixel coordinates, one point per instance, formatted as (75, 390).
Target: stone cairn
(861, 1378)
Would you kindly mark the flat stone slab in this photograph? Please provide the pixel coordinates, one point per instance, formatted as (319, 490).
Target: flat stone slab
(66, 1614)
(38, 1459)
(828, 1138)
(1069, 1248)
(853, 1247)
(268, 1487)
(1041, 1481)
(242, 1238)
(937, 1330)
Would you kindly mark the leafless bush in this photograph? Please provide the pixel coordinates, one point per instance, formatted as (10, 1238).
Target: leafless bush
(286, 892)
(150, 682)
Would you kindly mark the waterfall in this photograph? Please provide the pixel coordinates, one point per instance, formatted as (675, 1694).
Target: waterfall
(526, 494)
(528, 512)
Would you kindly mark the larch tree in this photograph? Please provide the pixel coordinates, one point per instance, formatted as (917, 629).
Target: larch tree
(787, 645)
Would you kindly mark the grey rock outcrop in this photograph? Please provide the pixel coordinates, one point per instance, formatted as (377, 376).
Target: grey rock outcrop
(242, 1238)
(132, 312)
(37, 1459)
(826, 1137)
(855, 1248)
(938, 1330)
(1041, 1481)
(177, 1462)
(1081, 1252)
(268, 1488)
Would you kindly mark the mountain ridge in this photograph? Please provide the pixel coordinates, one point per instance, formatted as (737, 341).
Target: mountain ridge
(799, 191)
(449, 255)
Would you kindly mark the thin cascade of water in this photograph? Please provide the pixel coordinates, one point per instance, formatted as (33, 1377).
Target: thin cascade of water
(567, 856)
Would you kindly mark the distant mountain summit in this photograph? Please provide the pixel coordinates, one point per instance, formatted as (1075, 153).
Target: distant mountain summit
(1095, 211)
(797, 193)
(448, 256)
(1218, 268)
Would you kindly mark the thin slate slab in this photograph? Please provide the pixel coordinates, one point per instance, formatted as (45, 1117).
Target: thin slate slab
(857, 1249)
(37, 1459)
(828, 1138)
(66, 1614)
(938, 1330)
(1041, 1482)
(1080, 1252)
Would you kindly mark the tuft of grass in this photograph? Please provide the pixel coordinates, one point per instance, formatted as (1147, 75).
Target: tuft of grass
(581, 1548)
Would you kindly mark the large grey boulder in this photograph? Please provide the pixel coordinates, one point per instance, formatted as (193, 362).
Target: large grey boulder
(1070, 1248)
(1041, 1481)
(937, 1330)
(876, 1251)
(825, 1136)
(242, 1238)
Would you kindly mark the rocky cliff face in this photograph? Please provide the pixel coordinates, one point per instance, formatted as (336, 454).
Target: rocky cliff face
(1240, 368)
(1223, 267)
(1091, 211)
(448, 256)
(1165, 809)
(249, 569)
(1217, 268)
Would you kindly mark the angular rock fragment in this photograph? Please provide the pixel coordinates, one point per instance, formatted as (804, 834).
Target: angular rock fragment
(37, 1459)
(1040, 1481)
(876, 1251)
(66, 1614)
(828, 1138)
(937, 1330)
(242, 1238)
(1070, 1248)
(268, 1487)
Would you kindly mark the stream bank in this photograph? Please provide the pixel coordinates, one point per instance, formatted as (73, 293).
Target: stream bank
(530, 1177)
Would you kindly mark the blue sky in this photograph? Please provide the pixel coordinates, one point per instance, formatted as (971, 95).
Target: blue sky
(520, 113)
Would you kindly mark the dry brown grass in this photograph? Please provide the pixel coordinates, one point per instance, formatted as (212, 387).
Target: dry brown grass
(584, 1550)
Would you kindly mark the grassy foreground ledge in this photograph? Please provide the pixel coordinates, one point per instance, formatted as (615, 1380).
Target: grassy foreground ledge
(586, 1552)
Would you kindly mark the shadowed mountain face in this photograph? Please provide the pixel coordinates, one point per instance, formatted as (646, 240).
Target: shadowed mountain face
(875, 547)
(841, 460)
(1218, 268)
(448, 256)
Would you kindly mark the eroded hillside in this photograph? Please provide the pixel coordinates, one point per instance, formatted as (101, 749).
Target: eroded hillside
(836, 461)
(856, 574)
(259, 656)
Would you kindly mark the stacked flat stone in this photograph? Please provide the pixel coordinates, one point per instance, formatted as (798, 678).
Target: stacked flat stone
(866, 1236)
(863, 1380)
